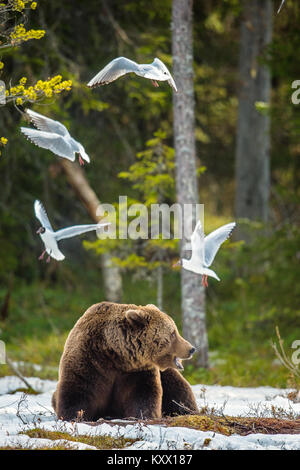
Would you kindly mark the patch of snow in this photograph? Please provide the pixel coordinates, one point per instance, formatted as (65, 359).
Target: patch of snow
(245, 401)
(11, 382)
(19, 412)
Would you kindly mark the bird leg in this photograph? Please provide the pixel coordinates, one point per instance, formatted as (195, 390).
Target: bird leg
(154, 83)
(81, 162)
(42, 255)
(48, 259)
(204, 281)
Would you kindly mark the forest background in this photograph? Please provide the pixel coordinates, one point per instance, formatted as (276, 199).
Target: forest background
(123, 126)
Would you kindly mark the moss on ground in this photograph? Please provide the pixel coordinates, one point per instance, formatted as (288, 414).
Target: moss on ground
(202, 423)
(228, 425)
(100, 442)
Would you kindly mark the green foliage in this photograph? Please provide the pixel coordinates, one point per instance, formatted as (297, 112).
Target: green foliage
(259, 287)
(153, 174)
(15, 35)
(152, 177)
(254, 269)
(243, 318)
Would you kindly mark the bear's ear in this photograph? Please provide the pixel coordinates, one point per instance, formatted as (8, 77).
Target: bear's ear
(136, 317)
(153, 307)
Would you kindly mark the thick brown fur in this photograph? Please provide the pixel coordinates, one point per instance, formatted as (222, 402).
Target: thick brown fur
(119, 361)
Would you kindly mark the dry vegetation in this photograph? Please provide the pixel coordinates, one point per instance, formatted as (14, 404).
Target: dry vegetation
(226, 425)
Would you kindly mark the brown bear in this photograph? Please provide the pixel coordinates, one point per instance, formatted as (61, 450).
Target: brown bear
(121, 361)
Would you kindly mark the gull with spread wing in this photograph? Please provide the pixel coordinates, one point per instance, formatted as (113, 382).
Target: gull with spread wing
(204, 250)
(157, 71)
(50, 237)
(53, 135)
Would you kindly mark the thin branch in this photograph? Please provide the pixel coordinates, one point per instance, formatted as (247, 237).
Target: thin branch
(129, 150)
(120, 31)
(18, 373)
(283, 357)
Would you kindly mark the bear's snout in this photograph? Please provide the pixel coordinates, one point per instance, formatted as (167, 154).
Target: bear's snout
(183, 348)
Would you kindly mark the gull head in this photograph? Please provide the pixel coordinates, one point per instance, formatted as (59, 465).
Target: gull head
(162, 70)
(41, 230)
(164, 73)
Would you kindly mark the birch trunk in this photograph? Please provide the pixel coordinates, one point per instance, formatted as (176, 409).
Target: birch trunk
(253, 128)
(111, 274)
(192, 291)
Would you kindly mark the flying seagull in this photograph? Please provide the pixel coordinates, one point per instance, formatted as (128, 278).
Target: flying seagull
(53, 135)
(50, 238)
(157, 71)
(204, 250)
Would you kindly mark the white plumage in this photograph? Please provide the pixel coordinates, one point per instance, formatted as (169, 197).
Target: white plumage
(157, 71)
(50, 237)
(204, 250)
(53, 135)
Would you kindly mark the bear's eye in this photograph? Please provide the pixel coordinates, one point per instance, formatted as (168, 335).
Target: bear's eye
(173, 334)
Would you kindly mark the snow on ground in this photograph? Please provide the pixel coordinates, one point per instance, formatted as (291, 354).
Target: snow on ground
(19, 412)
(242, 401)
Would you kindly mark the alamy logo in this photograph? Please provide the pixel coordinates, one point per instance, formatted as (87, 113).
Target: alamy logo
(296, 95)
(2, 92)
(296, 354)
(2, 352)
(157, 221)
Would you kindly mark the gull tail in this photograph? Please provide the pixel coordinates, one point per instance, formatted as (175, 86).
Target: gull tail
(55, 254)
(84, 156)
(210, 272)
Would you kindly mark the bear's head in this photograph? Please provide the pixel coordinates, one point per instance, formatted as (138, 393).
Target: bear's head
(156, 338)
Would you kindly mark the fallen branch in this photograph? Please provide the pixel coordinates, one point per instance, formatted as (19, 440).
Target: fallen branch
(18, 373)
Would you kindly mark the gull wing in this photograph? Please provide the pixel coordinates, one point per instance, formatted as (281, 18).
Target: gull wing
(46, 124)
(47, 140)
(214, 240)
(197, 243)
(41, 215)
(115, 69)
(281, 5)
(75, 230)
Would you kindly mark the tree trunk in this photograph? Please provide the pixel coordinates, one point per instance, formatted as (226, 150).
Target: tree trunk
(253, 127)
(192, 291)
(111, 273)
